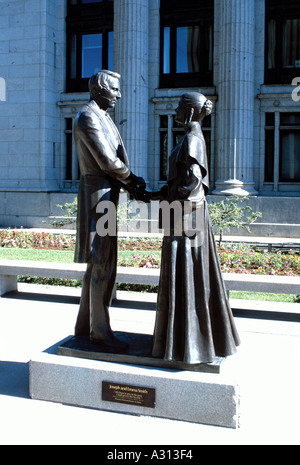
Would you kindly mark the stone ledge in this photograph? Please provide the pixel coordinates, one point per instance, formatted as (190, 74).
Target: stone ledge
(233, 281)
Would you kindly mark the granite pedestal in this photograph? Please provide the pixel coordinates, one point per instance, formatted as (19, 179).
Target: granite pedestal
(206, 397)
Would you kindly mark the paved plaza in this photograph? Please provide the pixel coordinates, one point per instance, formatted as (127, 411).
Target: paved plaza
(266, 367)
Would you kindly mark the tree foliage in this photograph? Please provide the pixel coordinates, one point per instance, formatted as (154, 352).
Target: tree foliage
(232, 213)
(125, 214)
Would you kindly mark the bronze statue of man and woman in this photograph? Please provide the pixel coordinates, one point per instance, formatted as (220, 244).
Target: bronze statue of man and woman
(194, 321)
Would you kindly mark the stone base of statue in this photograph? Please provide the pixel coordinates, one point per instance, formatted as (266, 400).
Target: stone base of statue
(138, 353)
(75, 372)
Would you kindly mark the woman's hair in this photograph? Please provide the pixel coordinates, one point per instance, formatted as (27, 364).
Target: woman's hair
(199, 103)
(99, 81)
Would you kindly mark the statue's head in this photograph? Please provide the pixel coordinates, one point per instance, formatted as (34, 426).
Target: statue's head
(105, 88)
(193, 106)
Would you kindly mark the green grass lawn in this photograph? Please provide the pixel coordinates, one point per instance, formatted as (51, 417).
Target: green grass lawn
(67, 256)
(37, 255)
(266, 297)
(59, 256)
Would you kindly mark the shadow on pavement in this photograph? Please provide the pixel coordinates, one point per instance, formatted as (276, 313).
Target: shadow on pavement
(40, 297)
(266, 315)
(151, 306)
(14, 379)
(75, 300)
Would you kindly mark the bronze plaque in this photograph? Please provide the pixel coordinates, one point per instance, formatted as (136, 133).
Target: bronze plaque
(125, 394)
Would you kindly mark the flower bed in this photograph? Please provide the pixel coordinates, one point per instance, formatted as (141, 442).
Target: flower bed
(12, 238)
(145, 253)
(140, 261)
(243, 259)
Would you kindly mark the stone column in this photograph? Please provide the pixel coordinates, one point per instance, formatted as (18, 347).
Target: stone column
(131, 36)
(235, 87)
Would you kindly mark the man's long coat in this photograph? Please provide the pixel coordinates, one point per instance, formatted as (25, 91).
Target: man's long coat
(104, 167)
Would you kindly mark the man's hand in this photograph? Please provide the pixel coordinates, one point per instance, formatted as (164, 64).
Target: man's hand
(141, 195)
(134, 184)
(160, 195)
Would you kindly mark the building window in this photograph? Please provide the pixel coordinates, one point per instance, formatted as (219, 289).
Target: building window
(186, 43)
(171, 134)
(289, 147)
(72, 171)
(282, 148)
(282, 41)
(90, 41)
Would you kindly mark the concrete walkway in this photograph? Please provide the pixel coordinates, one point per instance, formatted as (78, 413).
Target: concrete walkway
(266, 366)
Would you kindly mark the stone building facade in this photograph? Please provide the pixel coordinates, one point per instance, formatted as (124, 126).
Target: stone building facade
(243, 54)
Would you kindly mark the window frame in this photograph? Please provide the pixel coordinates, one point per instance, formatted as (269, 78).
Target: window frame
(280, 12)
(82, 19)
(72, 170)
(287, 129)
(277, 129)
(171, 130)
(174, 14)
(66, 147)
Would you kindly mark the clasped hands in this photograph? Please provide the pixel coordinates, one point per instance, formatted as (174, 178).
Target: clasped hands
(138, 190)
(143, 195)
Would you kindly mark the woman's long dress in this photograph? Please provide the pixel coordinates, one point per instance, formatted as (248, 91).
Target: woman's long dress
(194, 321)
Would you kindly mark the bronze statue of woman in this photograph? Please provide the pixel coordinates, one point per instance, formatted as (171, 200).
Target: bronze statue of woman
(194, 321)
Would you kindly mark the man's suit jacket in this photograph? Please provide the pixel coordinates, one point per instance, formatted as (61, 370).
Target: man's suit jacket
(99, 145)
(104, 168)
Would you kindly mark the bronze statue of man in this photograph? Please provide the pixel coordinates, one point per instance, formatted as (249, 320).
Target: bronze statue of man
(104, 168)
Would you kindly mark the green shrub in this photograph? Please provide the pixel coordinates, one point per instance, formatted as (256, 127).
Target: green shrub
(228, 214)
